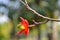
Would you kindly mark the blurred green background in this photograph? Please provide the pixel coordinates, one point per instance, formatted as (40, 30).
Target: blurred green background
(11, 10)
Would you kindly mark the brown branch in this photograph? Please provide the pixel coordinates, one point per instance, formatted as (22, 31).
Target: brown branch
(33, 25)
(40, 22)
(36, 23)
(29, 8)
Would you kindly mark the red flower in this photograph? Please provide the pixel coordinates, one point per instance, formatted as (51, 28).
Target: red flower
(25, 25)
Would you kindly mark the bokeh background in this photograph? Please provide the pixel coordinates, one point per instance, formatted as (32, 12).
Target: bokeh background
(11, 10)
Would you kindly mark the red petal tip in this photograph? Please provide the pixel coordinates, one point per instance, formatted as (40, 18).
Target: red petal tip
(21, 18)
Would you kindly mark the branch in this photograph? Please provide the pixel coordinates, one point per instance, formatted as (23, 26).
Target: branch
(33, 25)
(36, 23)
(29, 8)
(40, 22)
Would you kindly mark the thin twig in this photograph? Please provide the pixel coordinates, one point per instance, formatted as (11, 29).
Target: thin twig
(29, 8)
(36, 23)
(40, 22)
(33, 25)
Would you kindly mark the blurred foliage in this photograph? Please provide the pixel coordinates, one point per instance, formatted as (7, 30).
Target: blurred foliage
(5, 30)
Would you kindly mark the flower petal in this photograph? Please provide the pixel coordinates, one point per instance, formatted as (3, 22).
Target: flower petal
(20, 32)
(26, 32)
